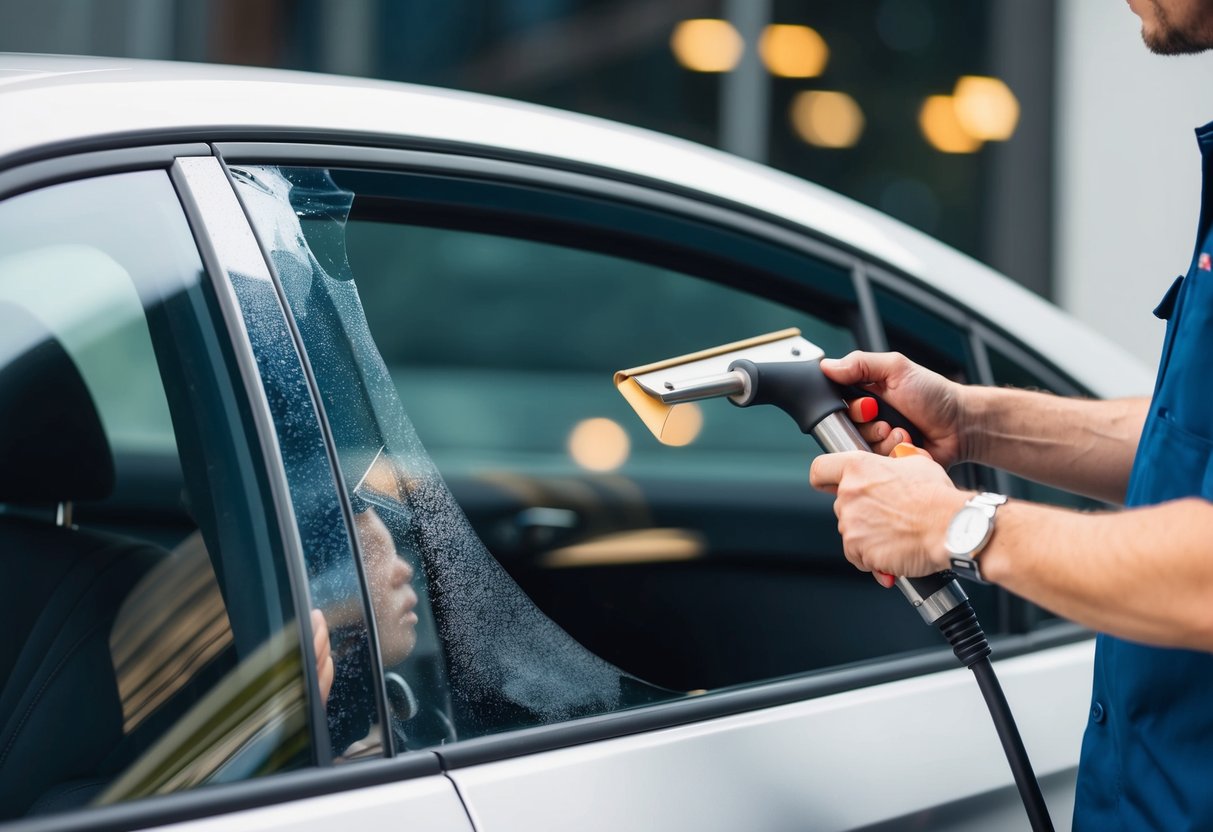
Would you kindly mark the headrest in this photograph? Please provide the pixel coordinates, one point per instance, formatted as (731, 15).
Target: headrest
(52, 445)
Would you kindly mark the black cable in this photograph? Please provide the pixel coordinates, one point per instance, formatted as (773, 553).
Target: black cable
(962, 630)
(1012, 744)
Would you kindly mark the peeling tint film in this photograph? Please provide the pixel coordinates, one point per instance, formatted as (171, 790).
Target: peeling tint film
(465, 651)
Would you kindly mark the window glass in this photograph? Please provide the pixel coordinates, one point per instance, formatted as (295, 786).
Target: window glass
(149, 648)
(562, 561)
(923, 336)
(503, 350)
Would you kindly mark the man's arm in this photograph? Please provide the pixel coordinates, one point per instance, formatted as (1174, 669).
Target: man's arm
(1143, 574)
(1079, 445)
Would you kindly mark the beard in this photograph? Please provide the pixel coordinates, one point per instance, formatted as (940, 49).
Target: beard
(1167, 38)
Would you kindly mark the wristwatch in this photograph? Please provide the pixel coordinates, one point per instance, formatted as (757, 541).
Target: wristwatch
(970, 531)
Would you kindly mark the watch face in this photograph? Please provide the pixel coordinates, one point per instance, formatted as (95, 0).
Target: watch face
(967, 531)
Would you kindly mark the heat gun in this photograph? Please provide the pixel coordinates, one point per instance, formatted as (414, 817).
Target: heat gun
(783, 369)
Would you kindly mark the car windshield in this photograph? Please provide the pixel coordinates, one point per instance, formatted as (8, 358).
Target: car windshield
(471, 654)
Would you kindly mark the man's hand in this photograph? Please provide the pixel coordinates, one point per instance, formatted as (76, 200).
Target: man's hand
(892, 513)
(930, 401)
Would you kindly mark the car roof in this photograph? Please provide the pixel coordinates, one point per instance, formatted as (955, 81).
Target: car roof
(52, 102)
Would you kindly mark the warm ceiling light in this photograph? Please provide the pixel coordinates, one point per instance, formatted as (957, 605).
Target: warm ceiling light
(827, 119)
(599, 444)
(707, 45)
(942, 128)
(986, 107)
(793, 51)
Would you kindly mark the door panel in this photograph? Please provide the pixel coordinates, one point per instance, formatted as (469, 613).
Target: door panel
(428, 804)
(918, 753)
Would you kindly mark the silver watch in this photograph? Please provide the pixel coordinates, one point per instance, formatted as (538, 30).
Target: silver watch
(970, 531)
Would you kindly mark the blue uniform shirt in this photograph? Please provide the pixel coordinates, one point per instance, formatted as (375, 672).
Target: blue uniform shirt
(1147, 756)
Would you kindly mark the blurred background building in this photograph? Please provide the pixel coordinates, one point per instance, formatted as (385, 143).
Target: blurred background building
(1038, 136)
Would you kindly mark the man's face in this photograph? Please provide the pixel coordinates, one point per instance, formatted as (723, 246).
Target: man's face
(1175, 27)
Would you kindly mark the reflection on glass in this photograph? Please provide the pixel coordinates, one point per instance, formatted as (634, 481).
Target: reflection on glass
(169, 629)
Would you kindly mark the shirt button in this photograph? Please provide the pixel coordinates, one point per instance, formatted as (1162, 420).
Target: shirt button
(1097, 712)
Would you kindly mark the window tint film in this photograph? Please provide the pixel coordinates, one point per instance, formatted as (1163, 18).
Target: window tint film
(149, 647)
(465, 651)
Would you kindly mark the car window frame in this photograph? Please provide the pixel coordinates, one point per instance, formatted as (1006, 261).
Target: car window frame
(627, 190)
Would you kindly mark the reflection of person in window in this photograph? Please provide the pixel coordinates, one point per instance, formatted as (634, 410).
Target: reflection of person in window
(341, 645)
(390, 579)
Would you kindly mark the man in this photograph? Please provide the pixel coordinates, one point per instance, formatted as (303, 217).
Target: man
(1142, 577)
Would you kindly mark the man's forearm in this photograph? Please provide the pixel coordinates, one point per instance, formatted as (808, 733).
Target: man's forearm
(1081, 445)
(1143, 574)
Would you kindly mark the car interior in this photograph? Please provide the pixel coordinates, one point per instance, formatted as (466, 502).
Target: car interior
(123, 616)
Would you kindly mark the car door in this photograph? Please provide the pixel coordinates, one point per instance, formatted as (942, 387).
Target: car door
(169, 557)
(608, 632)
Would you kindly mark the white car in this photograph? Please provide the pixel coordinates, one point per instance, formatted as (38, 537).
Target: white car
(318, 507)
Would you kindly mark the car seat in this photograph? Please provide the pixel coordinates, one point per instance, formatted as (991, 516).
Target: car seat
(60, 586)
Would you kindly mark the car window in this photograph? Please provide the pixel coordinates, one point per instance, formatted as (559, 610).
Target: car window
(150, 645)
(923, 335)
(563, 562)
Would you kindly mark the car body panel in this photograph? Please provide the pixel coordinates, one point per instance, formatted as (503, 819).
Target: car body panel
(807, 764)
(426, 803)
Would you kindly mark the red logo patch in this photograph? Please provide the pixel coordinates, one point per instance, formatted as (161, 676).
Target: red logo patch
(1204, 262)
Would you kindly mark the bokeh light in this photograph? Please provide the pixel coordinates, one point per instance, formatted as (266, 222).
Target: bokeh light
(793, 51)
(986, 107)
(827, 119)
(707, 45)
(682, 425)
(942, 128)
(599, 444)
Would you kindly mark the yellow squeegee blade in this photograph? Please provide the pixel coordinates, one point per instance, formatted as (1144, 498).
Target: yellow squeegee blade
(677, 424)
